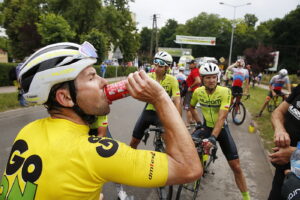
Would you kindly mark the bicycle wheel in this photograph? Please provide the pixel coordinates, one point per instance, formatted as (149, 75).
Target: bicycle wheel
(238, 113)
(271, 105)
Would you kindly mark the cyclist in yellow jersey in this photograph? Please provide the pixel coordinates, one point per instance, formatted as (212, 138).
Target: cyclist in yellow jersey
(162, 62)
(100, 127)
(55, 158)
(215, 101)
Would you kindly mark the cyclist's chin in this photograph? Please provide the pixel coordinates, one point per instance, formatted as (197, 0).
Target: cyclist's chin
(211, 87)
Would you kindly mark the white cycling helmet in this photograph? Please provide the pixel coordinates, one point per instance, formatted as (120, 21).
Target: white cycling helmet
(54, 64)
(181, 69)
(164, 56)
(209, 69)
(283, 72)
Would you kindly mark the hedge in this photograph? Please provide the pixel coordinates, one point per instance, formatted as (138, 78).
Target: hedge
(4, 70)
(110, 72)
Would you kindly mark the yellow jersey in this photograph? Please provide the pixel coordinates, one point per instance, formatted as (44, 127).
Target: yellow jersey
(169, 83)
(57, 159)
(211, 103)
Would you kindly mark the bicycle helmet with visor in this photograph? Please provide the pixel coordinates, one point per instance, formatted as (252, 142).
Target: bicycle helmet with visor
(53, 64)
(163, 58)
(209, 69)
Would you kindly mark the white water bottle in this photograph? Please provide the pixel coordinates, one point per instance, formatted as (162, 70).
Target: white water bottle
(295, 161)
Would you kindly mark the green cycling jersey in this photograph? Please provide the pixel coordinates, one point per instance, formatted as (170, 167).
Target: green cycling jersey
(211, 103)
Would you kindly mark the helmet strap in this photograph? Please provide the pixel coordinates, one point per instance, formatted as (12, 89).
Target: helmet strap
(88, 118)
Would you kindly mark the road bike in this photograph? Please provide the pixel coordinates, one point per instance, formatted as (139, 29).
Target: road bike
(238, 110)
(206, 159)
(164, 193)
(273, 103)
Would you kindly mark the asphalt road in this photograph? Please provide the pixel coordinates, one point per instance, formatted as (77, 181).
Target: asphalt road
(124, 113)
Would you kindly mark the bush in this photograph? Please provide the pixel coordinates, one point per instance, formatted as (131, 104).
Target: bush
(110, 72)
(4, 71)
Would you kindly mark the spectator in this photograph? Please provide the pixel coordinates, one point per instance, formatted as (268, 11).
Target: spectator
(103, 69)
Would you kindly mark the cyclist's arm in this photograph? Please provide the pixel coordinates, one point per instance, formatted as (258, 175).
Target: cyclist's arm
(281, 137)
(197, 81)
(176, 101)
(183, 160)
(193, 103)
(195, 114)
(231, 67)
(219, 123)
(271, 89)
(289, 88)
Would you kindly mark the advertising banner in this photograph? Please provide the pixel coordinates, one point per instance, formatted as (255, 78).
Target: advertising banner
(182, 39)
(176, 52)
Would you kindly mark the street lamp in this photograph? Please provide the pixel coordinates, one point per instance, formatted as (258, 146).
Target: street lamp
(233, 25)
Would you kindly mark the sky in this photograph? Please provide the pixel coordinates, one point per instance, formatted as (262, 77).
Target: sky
(182, 10)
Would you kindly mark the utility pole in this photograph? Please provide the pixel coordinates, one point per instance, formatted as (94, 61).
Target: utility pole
(154, 35)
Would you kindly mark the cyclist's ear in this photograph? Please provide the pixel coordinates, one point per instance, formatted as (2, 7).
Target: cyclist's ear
(63, 97)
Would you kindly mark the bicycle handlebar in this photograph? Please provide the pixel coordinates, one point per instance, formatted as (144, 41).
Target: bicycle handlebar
(159, 130)
(199, 143)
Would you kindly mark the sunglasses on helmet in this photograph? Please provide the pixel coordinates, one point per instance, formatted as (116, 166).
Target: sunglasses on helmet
(88, 50)
(160, 62)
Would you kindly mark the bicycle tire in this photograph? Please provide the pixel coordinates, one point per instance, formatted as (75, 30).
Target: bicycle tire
(236, 112)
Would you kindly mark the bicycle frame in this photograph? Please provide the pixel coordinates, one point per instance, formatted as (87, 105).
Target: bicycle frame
(205, 160)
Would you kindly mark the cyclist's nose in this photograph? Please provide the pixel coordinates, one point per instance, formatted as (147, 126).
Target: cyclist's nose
(103, 82)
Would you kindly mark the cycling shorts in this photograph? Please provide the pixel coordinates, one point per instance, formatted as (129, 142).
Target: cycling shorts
(147, 118)
(278, 92)
(225, 140)
(187, 100)
(236, 91)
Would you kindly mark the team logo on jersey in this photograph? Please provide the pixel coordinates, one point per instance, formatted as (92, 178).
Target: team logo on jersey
(151, 169)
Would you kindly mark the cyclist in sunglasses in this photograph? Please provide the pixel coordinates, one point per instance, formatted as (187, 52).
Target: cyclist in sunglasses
(56, 158)
(162, 61)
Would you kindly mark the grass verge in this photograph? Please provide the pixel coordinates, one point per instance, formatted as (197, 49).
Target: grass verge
(9, 101)
(253, 105)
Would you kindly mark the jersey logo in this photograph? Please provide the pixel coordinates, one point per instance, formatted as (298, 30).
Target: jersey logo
(151, 169)
(31, 171)
(107, 147)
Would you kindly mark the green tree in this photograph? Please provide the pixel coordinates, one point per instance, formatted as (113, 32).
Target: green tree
(250, 20)
(286, 40)
(54, 28)
(167, 34)
(99, 41)
(19, 20)
(81, 15)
